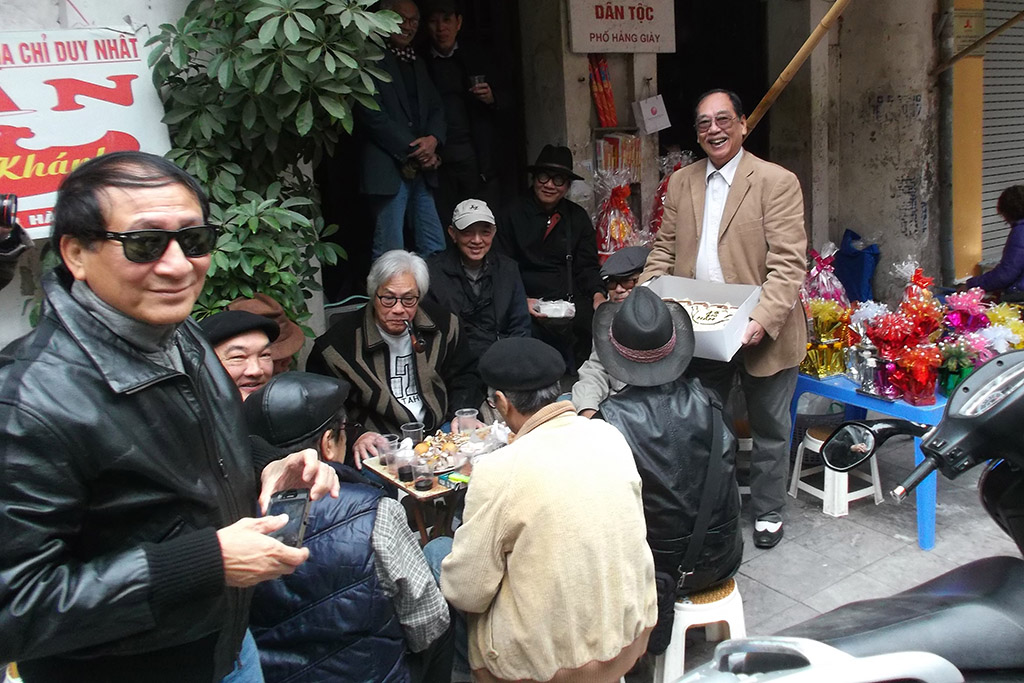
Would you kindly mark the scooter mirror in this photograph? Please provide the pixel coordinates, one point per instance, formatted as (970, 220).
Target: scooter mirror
(849, 446)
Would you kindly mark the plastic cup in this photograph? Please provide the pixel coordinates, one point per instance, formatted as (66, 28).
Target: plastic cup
(423, 476)
(465, 417)
(388, 451)
(413, 431)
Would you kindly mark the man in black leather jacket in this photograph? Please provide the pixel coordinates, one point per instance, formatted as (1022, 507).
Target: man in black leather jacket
(126, 478)
(684, 452)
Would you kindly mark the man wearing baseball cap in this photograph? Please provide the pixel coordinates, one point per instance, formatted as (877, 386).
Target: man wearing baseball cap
(481, 287)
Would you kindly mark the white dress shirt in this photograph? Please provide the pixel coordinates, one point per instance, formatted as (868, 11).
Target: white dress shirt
(719, 181)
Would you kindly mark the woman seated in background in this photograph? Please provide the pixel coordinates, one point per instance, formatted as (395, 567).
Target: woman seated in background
(1008, 276)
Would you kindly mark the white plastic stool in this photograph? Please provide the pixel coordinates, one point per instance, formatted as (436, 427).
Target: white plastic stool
(718, 609)
(836, 495)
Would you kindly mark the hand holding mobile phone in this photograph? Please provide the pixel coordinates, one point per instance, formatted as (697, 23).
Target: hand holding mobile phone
(294, 503)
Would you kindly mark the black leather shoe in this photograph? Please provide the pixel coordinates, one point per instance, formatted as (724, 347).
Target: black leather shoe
(768, 539)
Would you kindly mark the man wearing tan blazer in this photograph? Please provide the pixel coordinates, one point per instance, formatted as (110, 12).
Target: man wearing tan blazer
(740, 219)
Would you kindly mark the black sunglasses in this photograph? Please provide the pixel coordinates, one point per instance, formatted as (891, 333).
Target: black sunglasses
(556, 179)
(146, 246)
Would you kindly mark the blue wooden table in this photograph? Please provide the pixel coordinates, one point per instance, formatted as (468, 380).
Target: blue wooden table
(844, 391)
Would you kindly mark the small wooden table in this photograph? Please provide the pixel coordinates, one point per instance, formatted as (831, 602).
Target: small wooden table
(420, 499)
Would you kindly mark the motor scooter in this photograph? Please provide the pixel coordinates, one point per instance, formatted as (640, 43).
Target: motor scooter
(965, 625)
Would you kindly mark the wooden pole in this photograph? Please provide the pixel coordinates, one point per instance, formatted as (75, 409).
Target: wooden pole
(976, 44)
(794, 64)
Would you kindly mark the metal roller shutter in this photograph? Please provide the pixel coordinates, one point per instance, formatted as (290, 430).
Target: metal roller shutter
(1003, 126)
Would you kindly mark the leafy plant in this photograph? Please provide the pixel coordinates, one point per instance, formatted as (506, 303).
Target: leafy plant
(255, 91)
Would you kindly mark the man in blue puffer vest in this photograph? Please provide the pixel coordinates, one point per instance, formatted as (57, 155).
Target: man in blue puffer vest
(366, 598)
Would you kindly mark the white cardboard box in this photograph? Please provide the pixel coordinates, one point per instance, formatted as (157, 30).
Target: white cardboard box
(721, 343)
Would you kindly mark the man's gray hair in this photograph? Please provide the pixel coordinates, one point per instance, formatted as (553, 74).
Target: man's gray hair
(529, 402)
(397, 262)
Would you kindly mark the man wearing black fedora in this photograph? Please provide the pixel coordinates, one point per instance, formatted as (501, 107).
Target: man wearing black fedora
(683, 450)
(553, 241)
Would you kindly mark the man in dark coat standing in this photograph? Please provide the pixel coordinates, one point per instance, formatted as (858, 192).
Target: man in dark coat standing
(474, 100)
(14, 241)
(398, 151)
(553, 241)
(483, 288)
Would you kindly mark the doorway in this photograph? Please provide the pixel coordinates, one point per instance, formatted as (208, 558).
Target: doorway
(720, 44)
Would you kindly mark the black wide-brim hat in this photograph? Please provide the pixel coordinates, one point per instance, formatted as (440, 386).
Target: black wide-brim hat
(633, 339)
(555, 159)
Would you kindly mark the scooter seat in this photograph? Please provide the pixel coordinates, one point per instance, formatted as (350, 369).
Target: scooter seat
(972, 616)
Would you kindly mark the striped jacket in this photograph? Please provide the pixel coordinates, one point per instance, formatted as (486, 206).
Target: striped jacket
(353, 350)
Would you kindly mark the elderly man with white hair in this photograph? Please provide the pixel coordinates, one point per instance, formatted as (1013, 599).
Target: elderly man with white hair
(407, 360)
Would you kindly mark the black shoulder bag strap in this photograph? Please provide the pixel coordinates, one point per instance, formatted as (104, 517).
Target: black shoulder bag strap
(711, 485)
(568, 259)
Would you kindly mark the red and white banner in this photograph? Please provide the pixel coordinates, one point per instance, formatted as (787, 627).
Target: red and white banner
(67, 96)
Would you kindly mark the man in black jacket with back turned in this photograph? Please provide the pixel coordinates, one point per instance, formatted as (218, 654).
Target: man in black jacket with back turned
(684, 452)
(126, 479)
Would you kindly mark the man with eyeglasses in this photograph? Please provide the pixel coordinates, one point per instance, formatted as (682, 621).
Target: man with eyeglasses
(128, 485)
(740, 219)
(406, 359)
(620, 274)
(553, 241)
(399, 143)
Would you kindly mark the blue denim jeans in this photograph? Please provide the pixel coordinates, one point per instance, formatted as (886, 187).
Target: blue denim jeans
(247, 668)
(435, 552)
(413, 196)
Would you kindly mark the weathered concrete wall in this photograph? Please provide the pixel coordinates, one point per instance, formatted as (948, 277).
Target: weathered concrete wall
(859, 126)
(791, 120)
(887, 147)
(556, 86)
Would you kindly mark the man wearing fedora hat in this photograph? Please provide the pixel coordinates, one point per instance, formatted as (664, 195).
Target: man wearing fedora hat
(553, 241)
(551, 563)
(683, 450)
(740, 219)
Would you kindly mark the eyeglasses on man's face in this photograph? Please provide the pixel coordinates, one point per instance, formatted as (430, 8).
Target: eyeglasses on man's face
(389, 300)
(723, 121)
(626, 283)
(556, 179)
(147, 246)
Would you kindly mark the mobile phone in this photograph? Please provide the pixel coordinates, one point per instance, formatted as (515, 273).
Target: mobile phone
(295, 504)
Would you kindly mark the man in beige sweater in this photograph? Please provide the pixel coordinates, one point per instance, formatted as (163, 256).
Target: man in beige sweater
(551, 564)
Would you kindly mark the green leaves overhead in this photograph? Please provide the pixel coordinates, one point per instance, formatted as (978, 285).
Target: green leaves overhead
(254, 92)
